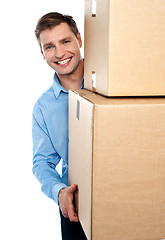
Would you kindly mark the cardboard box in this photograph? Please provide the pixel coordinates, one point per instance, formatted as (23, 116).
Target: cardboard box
(117, 158)
(125, 47)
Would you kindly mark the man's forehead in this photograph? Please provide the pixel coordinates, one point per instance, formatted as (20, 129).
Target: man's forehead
(57, 32)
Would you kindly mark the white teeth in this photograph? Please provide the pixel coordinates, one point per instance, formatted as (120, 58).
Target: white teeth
(64, 61)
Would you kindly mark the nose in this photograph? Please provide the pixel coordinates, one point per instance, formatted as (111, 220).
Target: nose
(59, 52)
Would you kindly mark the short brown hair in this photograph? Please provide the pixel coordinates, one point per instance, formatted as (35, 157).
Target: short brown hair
(53, 19)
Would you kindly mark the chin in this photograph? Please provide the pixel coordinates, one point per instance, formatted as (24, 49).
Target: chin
(67, 72)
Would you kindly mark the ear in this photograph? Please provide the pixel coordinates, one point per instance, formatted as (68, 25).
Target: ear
(79, 39)
(43, 54)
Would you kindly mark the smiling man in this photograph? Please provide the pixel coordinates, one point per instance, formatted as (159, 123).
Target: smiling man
(60, 43)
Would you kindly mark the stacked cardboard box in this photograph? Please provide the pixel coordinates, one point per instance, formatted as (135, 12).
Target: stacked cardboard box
(117, 144)
(125, 47)
(117, 158)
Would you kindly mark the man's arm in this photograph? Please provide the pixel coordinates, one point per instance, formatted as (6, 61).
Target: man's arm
(45, 160)
(45, 157)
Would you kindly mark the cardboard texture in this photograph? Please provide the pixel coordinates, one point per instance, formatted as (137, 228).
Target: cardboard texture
(117, 158)
(125, 47)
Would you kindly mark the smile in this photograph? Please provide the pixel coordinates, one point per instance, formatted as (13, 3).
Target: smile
(64, 61)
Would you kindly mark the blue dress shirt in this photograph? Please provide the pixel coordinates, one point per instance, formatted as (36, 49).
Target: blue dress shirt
(50, 139)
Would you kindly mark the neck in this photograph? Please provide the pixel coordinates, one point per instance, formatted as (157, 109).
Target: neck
(74, 80)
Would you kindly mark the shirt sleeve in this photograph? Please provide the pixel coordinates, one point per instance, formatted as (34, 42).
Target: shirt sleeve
(45, 157)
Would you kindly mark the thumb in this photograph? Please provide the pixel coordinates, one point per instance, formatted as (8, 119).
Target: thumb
(73, 187)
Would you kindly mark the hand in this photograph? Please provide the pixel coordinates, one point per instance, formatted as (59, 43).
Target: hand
(65, 198)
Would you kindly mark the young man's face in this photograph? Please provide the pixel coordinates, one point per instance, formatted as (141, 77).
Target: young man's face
(61, 49)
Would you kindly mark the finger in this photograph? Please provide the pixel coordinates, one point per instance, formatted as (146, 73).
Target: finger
(73, 216)
(64, 213)
(74, 187)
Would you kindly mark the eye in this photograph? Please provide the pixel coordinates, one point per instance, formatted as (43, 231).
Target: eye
(66, 42)
(48, 47)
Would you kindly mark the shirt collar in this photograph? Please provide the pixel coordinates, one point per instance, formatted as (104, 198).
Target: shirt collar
(57, 88)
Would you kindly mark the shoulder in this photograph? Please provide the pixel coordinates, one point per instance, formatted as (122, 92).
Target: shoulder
(46, 97)
(43, 101)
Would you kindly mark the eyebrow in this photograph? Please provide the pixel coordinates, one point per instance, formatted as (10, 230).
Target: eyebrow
(47, 44)
(64, 39)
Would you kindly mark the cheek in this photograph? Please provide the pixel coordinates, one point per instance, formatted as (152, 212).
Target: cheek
(76, 50)
(78, 54)
(48, 59)
(49, 62)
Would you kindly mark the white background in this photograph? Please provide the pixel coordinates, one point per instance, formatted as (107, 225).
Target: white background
(25, 212)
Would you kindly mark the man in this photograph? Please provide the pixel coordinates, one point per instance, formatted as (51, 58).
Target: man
(60, 44)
